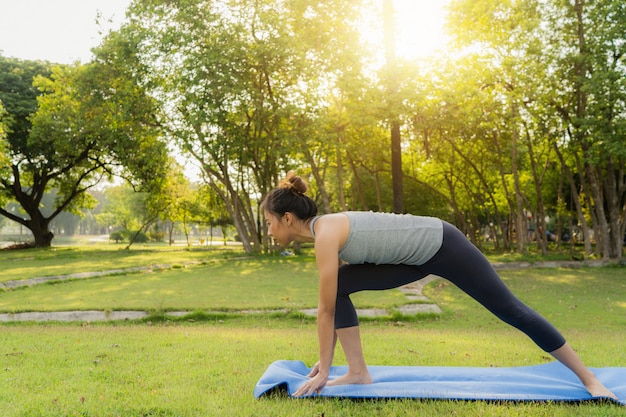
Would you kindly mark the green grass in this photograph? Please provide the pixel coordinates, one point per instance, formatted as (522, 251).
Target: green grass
(241, 284)
(63, 260)
(563, 252)
(582, 298)
(32, 263)
(209, 367)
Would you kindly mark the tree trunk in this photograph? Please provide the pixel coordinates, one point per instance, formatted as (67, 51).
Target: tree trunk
(505, 233)
(379, 200)
(141, 228)
(576, 200)
(234, 208)
(340, 188)
(460, 221)
(581, 216)
(542, 232)
(357, 184)
(396, 139)
(396, 168)
(318, 179)
(186, 231)
(602, 228)
(38, 226)
(170, 233)
(613, 194)
(43, 238)
(617, 212)
(520, 231)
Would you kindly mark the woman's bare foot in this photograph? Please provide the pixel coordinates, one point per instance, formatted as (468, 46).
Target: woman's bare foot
(351, 378)
(566, 355)
(597, 389)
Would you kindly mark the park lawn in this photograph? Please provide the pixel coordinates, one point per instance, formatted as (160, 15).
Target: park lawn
(209, 367)
(581, 298)
(252, 283)
(64, 260)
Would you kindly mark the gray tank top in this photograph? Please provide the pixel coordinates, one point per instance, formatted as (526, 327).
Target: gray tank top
(385, 238)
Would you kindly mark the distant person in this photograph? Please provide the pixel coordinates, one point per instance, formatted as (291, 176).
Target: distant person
(358, 251)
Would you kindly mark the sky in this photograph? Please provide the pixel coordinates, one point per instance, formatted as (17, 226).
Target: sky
(59, 31)
(419, 27)
(64, 31)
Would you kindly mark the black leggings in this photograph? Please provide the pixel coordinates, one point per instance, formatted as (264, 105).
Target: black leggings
(461, 263)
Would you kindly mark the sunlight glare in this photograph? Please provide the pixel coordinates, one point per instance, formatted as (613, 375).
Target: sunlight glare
(419, 27)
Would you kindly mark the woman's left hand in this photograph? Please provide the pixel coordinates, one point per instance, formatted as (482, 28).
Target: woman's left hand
(313, 385)
(314, 370)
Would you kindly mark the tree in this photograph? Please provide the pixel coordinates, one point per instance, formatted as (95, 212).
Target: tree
(4, 148)
(207, 209)
(244, 80)
(510, 37)
(18, 98)
(90, 122)
(588, 94)
(125, 211)
(4, 152)
(562, 74)
(177, 199)
(394, 122)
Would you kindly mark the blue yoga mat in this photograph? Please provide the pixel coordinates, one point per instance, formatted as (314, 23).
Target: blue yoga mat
(548, 382)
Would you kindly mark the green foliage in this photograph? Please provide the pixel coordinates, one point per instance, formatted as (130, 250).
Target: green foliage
(155, 236)
(140, 236)
(541, 72)
(118, 236)
(126, 235)
(123, 208)
(523, 121)
(88, 122)
(19, 97)
(245, 81)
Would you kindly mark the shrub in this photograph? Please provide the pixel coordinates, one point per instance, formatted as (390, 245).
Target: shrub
(156, 236)
(118, 236)
(141, 237)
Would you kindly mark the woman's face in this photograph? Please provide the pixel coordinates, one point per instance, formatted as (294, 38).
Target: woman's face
(277, 228)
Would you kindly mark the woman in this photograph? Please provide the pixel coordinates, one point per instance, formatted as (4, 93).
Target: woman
(383, 251)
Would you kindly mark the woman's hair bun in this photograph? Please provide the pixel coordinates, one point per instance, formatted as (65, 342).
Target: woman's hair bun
(294, 183)
(290, 197)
